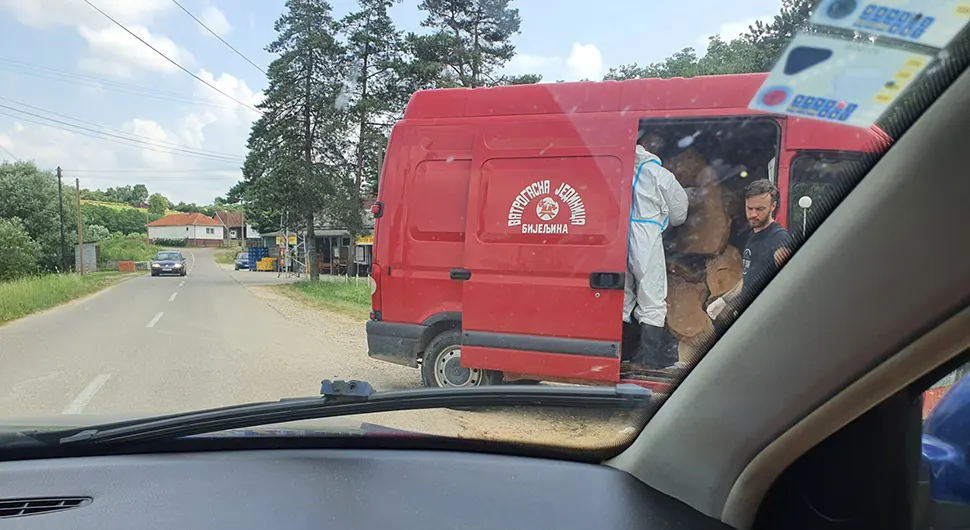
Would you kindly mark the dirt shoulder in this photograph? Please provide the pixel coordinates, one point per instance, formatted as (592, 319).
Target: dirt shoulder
(346, 337)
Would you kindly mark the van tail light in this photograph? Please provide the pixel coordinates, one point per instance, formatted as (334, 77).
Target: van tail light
(377, 209)
(375, 290)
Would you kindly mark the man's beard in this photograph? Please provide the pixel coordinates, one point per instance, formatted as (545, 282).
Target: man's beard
(760, 223)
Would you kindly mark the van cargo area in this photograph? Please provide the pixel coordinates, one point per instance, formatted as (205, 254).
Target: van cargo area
(718, 157)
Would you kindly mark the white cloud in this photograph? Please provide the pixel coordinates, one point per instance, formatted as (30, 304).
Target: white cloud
(524, 63)
(585, 61)
(113, 51)
(216, 20)
(233, 86)
(53, 13)
(730, 31)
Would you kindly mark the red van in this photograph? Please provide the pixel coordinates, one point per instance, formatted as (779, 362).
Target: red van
(502, 215)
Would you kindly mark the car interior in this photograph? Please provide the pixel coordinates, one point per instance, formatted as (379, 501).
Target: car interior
(805, 414)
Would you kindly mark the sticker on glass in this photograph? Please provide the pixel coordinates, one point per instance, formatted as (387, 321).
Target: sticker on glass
(929, 22)
(837, 81)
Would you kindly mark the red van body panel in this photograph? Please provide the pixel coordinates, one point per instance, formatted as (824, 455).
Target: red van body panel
(504, 211)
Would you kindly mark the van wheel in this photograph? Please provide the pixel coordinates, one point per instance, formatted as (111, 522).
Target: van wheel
(441, 365)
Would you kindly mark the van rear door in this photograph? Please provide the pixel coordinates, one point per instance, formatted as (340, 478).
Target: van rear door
(545, 247)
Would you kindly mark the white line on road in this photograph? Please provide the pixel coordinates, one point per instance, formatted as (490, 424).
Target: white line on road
(182, 283)
(172, 298)
(86, 395)
(155, 320)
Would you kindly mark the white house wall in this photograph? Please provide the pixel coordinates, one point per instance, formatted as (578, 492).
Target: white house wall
(170, 232)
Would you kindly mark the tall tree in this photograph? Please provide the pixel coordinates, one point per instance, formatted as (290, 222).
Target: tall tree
(297, 147)
(771, 38)
(472, 40)
(158, 203)
(139, 193)
(383, 78)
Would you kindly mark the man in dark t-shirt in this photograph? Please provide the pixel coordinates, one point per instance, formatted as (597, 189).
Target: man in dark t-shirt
(767, 248)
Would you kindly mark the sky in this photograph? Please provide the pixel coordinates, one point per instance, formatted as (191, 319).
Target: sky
(61, 60)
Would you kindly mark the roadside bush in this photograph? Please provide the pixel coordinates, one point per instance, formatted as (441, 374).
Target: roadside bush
(18, 252)
(131, 247)
(164, 242)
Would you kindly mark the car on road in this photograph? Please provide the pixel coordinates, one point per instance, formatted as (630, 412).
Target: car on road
(168, 262)
(242, 260)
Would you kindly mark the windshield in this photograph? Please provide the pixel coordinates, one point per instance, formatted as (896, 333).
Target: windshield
(420, 195)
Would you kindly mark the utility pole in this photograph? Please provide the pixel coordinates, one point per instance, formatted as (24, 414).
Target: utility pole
(60, 210)
(80, 227)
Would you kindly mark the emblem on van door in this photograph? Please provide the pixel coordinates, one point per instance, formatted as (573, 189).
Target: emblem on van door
(547, 208)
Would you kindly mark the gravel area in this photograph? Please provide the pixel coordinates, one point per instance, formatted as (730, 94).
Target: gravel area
(345, 340)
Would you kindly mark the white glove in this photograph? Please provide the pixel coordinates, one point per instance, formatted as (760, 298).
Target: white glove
(715, 308)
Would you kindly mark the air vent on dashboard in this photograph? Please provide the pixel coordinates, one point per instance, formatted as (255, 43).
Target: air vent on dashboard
(39, 505)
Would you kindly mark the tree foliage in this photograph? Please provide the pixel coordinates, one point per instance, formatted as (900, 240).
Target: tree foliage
(297, 162)
(20, 251)
(751, 52)
(471, 41)
(158, 204)
(30, 194)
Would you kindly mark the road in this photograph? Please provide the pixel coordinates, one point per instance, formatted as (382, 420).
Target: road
(213, 338)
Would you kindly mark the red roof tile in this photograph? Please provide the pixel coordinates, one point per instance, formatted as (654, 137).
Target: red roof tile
(185, 219)
(230, 219)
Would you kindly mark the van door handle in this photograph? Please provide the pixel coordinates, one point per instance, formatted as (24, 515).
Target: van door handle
(607, 280)
(460, 274)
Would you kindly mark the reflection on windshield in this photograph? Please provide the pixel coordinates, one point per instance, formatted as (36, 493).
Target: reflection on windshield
(378, 192)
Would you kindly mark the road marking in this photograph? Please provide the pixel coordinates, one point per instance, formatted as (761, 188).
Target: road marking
(171, 298)
(86, 395)
(182, 283)
(155, 320)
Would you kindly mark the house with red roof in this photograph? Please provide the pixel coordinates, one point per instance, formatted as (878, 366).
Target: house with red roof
(195, 228)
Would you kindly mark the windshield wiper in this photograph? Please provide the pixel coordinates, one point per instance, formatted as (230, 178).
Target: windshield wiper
(340, 398)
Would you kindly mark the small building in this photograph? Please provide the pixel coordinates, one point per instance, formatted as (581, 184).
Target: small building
(236, 228)
(197, 229)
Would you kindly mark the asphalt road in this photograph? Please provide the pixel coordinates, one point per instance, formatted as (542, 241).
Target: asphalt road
(164, 344)
(218, 337)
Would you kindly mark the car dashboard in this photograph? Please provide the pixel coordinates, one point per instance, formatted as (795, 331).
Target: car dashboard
(330, 488)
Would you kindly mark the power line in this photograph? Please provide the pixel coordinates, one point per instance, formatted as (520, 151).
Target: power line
(135, 136)
(214, 34)
(167, 58)
(106, 84)
(137, 144)
(5, 150)
(150, 170)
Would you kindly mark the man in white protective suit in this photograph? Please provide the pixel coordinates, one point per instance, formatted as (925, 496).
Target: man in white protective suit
(659, 201)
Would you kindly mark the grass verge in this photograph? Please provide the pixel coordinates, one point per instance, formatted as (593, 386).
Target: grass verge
(228, 257)
(22, 297)
(348, 298)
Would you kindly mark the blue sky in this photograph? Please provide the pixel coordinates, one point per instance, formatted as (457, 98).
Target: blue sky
(63, 57)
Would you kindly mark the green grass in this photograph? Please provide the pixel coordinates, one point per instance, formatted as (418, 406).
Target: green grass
(340, 296)
(121, 206)
(227, 258)
(22, 297)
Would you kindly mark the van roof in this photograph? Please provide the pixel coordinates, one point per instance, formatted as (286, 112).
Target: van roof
(703, 92)
(697, 94)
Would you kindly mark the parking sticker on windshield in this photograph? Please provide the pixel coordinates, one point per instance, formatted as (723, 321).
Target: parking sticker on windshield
(837, 80)
(929, 22)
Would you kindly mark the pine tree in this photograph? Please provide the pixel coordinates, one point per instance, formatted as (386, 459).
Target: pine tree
(294, 164)
(472, 41)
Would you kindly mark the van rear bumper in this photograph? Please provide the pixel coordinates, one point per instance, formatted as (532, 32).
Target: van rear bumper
(394, 342)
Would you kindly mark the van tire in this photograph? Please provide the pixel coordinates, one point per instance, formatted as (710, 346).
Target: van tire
(440, 369)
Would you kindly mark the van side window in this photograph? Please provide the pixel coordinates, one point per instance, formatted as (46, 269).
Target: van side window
(439, 199)
(822, 177)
